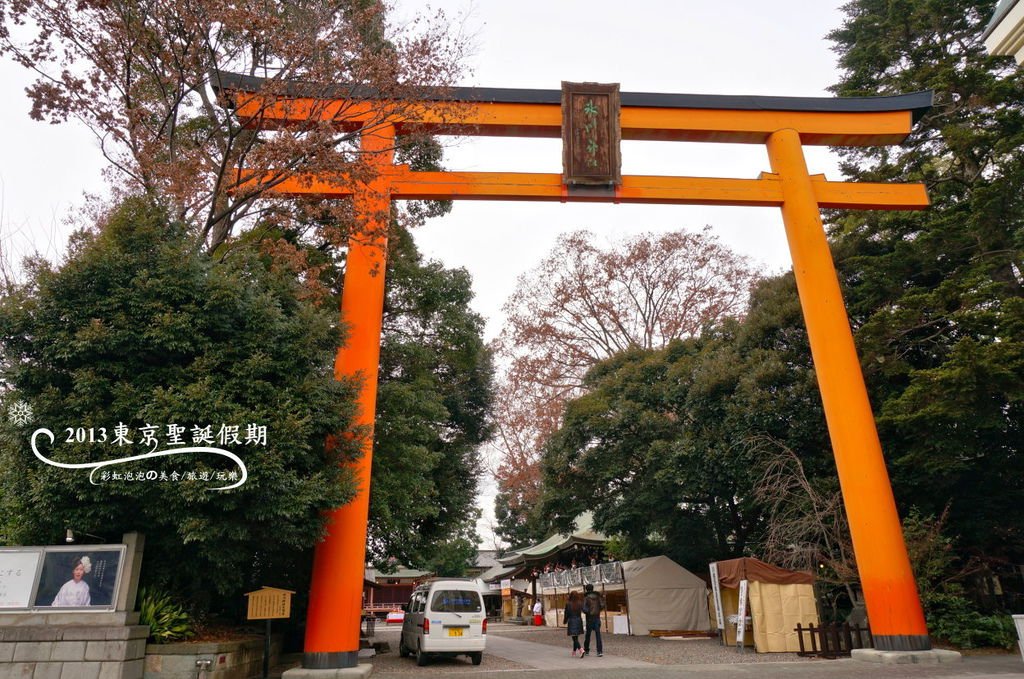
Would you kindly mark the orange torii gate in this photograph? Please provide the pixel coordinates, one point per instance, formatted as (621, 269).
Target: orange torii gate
(592, 119)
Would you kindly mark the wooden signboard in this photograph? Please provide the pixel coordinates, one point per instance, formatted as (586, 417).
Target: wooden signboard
(591, 134)
(269, 603)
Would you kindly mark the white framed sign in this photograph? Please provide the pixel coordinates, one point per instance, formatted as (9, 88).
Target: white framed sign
(80, 577)
(19, 570)
(716, 594)
(741, 620)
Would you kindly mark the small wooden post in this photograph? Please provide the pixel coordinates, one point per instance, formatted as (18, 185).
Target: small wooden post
(629, 625)
(604, 596)
(266, 652)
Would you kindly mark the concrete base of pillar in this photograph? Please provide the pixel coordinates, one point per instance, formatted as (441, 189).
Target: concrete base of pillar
(931, 657)
(357, 672)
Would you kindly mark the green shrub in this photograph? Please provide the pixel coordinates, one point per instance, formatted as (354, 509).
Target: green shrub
(167, 620)
(952, 618)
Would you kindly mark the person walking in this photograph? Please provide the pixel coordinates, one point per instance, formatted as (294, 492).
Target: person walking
(574, 621)
(592, 607)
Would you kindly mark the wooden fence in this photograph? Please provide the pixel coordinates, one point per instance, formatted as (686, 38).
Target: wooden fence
(833, 641)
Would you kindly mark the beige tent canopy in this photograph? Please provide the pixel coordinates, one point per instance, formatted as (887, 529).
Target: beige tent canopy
(658, 594)
(664, 596)
(779, 599)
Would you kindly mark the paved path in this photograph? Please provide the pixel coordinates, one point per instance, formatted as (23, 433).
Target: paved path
(545, 657)
(552, 662)
(514, 656)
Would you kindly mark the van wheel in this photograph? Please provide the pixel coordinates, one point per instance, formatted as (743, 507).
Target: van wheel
(421, 657)
(477, 658)
(403, 651)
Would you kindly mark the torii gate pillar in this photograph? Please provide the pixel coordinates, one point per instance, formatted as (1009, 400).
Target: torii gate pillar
(890, 592)
(335, 597)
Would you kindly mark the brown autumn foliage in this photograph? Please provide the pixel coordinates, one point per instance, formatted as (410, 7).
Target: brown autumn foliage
(141, 75)
(807, 523)
(583, 304)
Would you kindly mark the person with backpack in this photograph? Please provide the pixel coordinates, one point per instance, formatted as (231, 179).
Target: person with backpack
(592, 607)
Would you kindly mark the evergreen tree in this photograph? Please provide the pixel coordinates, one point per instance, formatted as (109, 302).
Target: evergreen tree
(666, 446)
(936, 296)
(432, 415)
(136, 327)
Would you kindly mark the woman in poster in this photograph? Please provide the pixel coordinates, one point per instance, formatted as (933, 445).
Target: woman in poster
(75, 591)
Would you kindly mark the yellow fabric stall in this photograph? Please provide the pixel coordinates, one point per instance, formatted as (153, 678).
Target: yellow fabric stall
(779, 599)
(776, 610)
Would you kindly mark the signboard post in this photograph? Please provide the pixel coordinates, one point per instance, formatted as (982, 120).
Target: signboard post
(267, 604)
(741, 620)
(716, 594)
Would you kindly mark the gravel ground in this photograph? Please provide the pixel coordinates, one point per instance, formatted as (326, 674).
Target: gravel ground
(650, 649)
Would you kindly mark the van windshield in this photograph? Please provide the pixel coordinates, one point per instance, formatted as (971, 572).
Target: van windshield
(455, 601)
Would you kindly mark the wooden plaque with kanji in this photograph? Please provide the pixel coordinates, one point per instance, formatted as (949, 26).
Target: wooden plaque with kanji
(591, 134)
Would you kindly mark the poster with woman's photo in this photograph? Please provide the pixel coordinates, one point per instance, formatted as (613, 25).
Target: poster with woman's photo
(80, 577)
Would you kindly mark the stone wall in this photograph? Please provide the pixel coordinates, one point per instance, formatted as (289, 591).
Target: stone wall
(72, 651)
(228, 659)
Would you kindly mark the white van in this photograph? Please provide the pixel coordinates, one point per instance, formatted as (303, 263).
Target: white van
(444, 618)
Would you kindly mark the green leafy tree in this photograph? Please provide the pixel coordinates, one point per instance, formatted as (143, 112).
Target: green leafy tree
(517, 522)
(936, 296)
(663, 446)
(136, 327)
(451, 558)
(433, 409)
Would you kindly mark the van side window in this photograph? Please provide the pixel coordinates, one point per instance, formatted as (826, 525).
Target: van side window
(455, 601)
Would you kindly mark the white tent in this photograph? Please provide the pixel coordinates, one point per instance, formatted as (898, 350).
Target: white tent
(663, 595)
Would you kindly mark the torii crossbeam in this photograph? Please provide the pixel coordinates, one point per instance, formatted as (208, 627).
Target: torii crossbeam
(783, 124)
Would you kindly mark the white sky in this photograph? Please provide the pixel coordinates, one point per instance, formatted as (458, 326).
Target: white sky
(673, 46)
(682, 46)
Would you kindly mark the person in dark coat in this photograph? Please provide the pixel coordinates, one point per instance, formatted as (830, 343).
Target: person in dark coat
(574, 621)
(593, 604)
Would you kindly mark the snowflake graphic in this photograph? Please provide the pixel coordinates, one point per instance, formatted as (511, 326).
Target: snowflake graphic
(20, 413)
